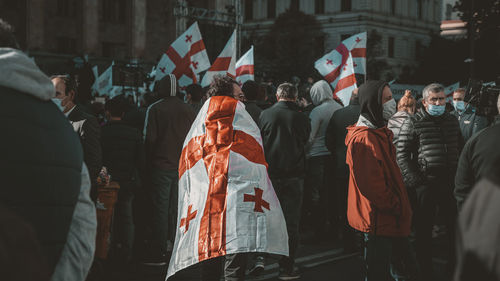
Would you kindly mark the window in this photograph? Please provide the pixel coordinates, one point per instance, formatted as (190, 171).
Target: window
(295, 5)
(66, 45)
(271, 9)
(419, 9)
(114, 10)
(248, 9)
(449, 10)
(345, 5)
(418, 50)
(319, 6)
(390, 47)
(393, 7)
(112, 50)
(344, 36)
(66, 8)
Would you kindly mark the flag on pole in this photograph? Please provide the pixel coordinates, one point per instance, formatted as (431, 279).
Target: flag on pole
(227, 203)
(185, 58)
(341, 64)
(104, 83)
(225, 64)
(245, 67)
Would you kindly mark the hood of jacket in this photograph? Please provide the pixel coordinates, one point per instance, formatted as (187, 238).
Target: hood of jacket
(353, 131)
(321, 92)
(19, 72)
(370, 99)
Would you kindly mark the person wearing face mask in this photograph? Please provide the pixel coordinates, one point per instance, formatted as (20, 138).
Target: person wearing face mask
(470, 123)
(428, 148)
(378, 204)
(406, 108)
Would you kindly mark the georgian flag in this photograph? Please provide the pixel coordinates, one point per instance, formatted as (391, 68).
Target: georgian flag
(352, 53)
(227, 203)
(245, 67)
(225, 64)
(104, 83)
(185, 58)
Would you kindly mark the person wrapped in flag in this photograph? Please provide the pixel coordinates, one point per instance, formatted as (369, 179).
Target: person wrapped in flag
(227, 204)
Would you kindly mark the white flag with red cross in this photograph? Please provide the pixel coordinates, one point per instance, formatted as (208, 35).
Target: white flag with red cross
(227, 203)
(245, 67)
(352, 52)
(185, 58)
(225, 64)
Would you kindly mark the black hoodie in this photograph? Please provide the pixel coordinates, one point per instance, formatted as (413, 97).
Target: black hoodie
(370, 99)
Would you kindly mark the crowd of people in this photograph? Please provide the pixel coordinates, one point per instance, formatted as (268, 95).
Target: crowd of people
(376, 174)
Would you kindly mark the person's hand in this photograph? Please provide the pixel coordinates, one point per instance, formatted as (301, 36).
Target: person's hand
(407, 91)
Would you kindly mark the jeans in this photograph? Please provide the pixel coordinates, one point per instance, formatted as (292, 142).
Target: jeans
(290, 193)
(233, 265)
(162, 195)
(389, 258)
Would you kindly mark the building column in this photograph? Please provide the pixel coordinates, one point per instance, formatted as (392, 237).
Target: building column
(35, 24)
(138, 28)
(90, 24)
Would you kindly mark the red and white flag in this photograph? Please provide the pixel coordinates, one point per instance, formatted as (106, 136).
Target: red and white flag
(349, 56)
(225, 64)
(185, 58)
(227, 203)
(245, 67)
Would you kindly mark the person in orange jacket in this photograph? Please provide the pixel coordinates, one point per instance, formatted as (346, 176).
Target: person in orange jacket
(378, 204)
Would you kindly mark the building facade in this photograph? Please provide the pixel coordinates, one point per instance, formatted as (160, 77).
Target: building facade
(405, 25)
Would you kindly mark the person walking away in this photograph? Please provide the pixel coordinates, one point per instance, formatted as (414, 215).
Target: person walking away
(470, 122)
(194, 94)
(406, 108)
(251, 90)
(285, 132)
(378, 204)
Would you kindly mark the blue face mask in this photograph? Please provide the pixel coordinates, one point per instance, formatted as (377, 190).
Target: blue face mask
(58, 103)
(436, 110)
(459, 105)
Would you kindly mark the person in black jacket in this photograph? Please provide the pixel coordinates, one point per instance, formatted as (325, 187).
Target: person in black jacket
(336, 133)
(470, 123)
(479, 153)
(122, 155)
(251, 91)
(84, 124)
(285, 132)
(427, 153)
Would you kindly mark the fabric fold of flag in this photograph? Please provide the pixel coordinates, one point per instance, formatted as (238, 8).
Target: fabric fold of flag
(225, 64)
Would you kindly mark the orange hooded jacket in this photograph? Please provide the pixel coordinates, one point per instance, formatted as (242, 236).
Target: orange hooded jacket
(377, 201)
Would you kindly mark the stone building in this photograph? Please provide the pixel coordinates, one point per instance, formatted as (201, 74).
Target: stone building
(405, 25)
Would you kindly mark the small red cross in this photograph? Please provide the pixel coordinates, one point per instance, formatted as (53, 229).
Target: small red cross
(162, 69)
(188, 38)
(329, 62)
(257, 198)
(358, 40)
(190, 216)
(345, 65)
(195, 64)
(354, 64)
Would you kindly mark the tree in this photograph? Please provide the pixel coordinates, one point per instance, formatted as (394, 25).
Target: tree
(289, 48)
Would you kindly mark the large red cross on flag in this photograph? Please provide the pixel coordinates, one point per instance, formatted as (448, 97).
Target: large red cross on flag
(225, 195)
(339, 66)
(245, 67)
(185, 58)
(225, 64)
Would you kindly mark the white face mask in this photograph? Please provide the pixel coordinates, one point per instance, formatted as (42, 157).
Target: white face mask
(389, 109)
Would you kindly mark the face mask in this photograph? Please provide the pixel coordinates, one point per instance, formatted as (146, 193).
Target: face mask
(436, 110)
(389, 109)
(459, 105)
(58, 102)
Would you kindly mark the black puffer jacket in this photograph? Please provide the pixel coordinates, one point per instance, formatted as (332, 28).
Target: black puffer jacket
(428, 147)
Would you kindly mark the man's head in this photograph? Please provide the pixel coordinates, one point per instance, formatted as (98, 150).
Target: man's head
(434, 99)
(286, 92)
(194, 93)
(167, 86)
(458, 99)
(304, 98)
(7, 38)
(376, 102)
(115, 108)
(251, 90)
(223, 85)
(65, 86)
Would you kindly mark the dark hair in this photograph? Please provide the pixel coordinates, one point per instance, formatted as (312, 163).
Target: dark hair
(287, 91)
(251, 90)
(306, 94)
(70, 81)
(116, 106)
(222, 85)
(7, 38)
(195, 91)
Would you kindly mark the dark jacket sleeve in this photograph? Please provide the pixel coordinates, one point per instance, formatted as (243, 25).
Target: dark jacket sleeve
(330, 136)
(464, 178)
(150, 134)
(91, 143)
(406, 147)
